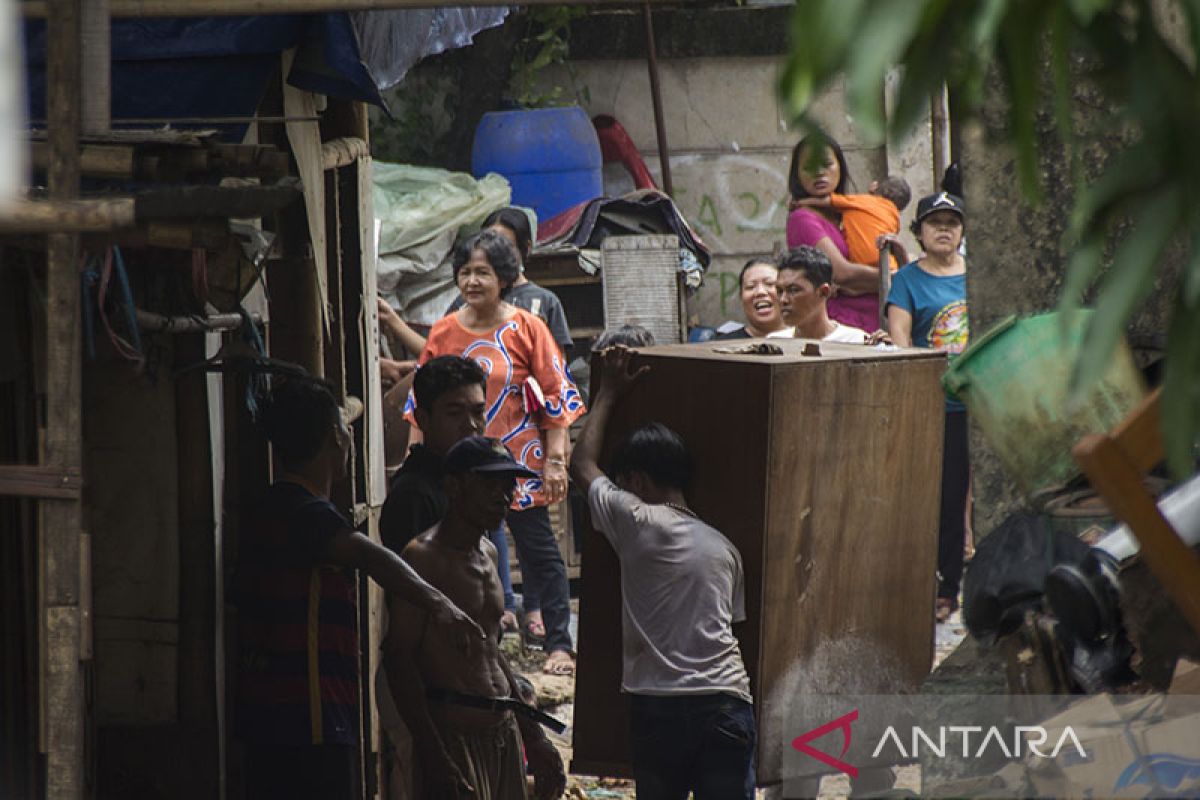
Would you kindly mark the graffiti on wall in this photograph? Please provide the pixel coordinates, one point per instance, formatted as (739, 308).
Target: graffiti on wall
(737, 203)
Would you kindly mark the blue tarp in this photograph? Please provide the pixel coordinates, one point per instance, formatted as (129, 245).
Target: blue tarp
(221, 66)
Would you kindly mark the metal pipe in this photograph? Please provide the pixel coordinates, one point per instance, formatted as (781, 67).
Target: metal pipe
(149, 321)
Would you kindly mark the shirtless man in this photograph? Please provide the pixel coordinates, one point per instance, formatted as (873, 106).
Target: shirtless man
(467, 730)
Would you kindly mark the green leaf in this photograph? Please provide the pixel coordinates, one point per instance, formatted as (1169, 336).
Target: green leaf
(1181, 386)
(1082, 267)
(1085, 10)
(1131, 172)
(987, 21)
(1019, 54)
(1189, 287)
(1128, 282)
(822, 36)
(881, 39)
(1060, 70)
(1191, 9)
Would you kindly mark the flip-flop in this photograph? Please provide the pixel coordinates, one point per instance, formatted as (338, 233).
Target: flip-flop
(508, 622)
(559, 663)
(533, 633)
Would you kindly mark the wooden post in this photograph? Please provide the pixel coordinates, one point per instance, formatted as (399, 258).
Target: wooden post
(197, 572)
(62, 717)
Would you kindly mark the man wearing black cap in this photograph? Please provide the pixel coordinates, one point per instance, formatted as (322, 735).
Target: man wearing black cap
(466, 724)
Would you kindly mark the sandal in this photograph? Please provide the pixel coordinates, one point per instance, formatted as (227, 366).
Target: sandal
(559, 663)
(534, 632)
(508, 622)
(944, 608)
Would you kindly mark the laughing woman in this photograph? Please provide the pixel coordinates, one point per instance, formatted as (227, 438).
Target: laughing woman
(760, 303)
(531, 403)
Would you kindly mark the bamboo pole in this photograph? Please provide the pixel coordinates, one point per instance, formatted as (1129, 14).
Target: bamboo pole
(97, 160)
(67, 216)
(190, 8)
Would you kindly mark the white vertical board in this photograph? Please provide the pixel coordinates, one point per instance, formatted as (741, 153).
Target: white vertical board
(640, 275)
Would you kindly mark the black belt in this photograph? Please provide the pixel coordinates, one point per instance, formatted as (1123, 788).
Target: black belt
(451, 697)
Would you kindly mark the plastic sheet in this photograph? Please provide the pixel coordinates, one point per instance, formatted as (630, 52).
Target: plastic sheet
(392, 42)
(421, 213)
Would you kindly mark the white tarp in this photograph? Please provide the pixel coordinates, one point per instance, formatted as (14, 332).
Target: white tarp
(421, 213)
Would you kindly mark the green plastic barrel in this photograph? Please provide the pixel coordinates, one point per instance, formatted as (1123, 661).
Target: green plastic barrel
(1014, 382)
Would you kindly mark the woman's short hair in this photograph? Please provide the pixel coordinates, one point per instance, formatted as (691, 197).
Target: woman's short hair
(810, 262)
(794, 185)
(516, 221)
(498, 251)
(657, 451)
(297, 417)
(754, 262)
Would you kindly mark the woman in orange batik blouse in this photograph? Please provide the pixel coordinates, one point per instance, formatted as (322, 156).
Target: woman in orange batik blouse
(531, 401)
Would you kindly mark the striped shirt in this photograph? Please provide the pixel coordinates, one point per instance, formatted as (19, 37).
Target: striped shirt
(298, 671)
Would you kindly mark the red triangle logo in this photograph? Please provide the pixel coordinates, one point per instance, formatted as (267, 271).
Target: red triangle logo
(801, 743)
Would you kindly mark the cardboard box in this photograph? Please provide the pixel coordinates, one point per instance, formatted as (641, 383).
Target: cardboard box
(1147, 747)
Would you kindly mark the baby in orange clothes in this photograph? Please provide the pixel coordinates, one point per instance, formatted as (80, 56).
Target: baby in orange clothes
(867, 217)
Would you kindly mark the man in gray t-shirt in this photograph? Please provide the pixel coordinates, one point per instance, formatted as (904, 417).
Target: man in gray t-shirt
(682, 590)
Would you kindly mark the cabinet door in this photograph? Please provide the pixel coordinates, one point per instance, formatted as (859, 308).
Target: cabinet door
(721, 409)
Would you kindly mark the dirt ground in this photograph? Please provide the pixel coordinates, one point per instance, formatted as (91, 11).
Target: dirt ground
(556, 695)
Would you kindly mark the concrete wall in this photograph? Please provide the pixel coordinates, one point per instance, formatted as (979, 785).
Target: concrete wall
(729, 140)
(730, 147)
(1017, 261)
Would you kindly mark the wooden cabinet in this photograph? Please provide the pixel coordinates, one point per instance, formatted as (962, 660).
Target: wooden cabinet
(824, 472)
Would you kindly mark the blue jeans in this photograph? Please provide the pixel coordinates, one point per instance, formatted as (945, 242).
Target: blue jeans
(501, 541)
(699, 743)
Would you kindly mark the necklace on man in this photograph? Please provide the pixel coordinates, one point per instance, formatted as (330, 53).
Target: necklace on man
(681, 509)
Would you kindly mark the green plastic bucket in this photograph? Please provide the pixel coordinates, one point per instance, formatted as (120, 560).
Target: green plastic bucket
(1014, 382)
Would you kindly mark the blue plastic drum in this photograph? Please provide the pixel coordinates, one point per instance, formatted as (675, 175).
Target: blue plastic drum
(550, 156)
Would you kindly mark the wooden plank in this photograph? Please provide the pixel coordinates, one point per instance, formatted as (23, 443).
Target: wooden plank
(1115, 477)
(850, 549)
(64, 702)
(1139, 435)
(173, 161)
(197, 582)
(239, 202)
(189, 8)
(62, 714)
(730, 452)
(32, 480)
(96, 160)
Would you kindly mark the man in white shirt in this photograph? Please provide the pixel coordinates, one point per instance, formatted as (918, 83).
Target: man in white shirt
(804, 285)
(682, 589)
